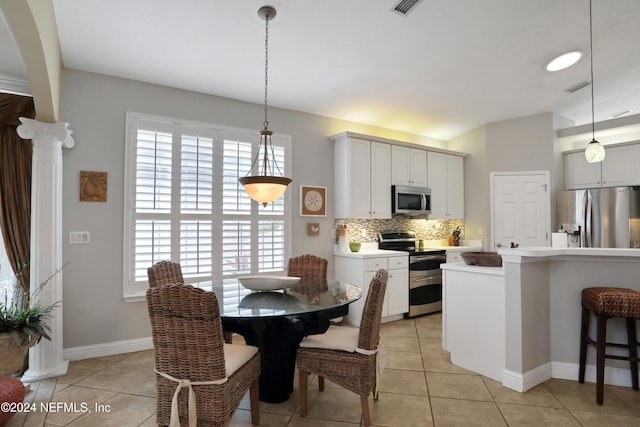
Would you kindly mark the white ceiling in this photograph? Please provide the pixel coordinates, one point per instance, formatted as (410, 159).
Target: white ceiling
(442, 70)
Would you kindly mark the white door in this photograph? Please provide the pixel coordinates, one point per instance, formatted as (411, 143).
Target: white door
(359, 178)
(520, 209)
(397, 296)
(455, 187)
(380, 181)
(437, 171)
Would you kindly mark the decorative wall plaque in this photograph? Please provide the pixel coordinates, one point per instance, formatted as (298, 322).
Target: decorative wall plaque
(93, 186)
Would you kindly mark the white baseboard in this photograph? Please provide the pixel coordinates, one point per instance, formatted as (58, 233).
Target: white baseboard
(523, 382)
(613, 376)
(107, 349)
(564, 371)
(31, 375)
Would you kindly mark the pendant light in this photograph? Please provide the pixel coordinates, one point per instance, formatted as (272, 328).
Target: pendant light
(595, 150)
(265, 187)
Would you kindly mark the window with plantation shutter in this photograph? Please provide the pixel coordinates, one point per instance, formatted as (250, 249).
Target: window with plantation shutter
(184, 203)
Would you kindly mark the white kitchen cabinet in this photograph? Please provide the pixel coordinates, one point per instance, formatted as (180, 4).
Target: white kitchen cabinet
(454, 252)
(619, 168)
(446, 181)
(360, 271)
(454, 257)
(362, 186)
(408, 166)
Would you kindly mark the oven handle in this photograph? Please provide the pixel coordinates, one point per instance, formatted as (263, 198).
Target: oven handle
(425, 281)
(418, 258)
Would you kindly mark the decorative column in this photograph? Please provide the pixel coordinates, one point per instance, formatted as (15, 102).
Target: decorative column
(45, 358)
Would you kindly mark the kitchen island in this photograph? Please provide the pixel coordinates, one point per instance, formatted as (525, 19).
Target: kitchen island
(520, 323)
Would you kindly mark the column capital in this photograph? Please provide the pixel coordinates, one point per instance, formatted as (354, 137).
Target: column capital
(34, 129)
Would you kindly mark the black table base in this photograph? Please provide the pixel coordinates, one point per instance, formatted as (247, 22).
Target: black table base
(277, 339)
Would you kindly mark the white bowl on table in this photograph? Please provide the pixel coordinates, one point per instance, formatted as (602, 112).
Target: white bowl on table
(267, 282)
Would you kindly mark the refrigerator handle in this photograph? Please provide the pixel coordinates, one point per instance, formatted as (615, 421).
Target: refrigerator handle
(587, 223)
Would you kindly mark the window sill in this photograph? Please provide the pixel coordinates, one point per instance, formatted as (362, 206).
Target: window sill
(140, 297)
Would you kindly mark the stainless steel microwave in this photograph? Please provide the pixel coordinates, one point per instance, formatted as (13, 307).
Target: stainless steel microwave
(410, 200)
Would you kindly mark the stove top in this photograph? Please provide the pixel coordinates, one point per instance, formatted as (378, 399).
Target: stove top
(403, 241)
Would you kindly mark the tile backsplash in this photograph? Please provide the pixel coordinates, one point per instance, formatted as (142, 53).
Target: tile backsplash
(425, 229)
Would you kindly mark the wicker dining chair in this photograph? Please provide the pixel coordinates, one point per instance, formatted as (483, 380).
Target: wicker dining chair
(345, 355)
(190, 355)
(308, 267)
(164, 273)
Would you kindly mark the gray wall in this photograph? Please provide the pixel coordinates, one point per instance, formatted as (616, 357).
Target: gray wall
(95, 106)
(520, 144)
(476, 183)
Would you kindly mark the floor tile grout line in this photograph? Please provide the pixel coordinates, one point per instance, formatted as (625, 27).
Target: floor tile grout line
(547, 387)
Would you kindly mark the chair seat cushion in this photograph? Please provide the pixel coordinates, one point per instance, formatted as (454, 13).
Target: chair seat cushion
(341, 338)
(613, 302)
(236, 355)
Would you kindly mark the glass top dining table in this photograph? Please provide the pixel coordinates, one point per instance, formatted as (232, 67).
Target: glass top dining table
(306, 296)
(277, 321)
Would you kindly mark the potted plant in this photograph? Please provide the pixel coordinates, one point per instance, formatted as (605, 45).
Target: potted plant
(23, 322)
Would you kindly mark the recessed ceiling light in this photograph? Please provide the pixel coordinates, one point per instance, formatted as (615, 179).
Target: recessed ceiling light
(563, 61)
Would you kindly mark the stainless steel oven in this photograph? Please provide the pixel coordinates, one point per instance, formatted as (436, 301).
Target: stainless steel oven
(425, 275)
(425, 282)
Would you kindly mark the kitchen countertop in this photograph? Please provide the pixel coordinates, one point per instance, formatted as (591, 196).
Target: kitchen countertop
(455, 248)
(370, 253)
(465, 245)
(461, 266)
(537, 252)
(370, 249)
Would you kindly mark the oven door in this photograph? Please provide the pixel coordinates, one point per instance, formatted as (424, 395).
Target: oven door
(425, 284)
(422, 263)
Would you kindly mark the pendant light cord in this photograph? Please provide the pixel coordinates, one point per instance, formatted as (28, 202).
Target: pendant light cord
(593, 115)
(266, 68)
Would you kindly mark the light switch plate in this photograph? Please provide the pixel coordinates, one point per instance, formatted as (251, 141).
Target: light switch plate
(79, 237)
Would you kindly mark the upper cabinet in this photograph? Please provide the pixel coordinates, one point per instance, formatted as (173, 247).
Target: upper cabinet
(408, 166)
(621, 167)
(446, 180)
(366, 166)
(362, 184)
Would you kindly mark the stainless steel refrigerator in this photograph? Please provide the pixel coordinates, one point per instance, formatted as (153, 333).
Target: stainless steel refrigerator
(600, 217)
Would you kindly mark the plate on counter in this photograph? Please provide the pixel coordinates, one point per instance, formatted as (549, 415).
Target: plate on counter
(268, 283)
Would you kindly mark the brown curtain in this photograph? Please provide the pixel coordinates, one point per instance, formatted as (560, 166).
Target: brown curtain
(15, 184)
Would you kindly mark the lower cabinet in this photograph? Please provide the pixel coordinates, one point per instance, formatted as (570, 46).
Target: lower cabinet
(454, 255)
(360, 271)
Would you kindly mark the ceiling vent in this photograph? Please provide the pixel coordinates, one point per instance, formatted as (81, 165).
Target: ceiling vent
(577, 87)
(404, 6)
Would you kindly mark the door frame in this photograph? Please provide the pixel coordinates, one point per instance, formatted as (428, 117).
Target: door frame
(547, 180)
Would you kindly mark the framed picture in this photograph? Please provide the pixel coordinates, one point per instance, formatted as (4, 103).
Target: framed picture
(313, 201)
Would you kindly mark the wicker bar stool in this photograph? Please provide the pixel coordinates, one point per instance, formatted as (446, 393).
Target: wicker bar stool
(607, 303)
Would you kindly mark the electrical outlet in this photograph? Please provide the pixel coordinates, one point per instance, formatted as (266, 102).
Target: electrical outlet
(363, 233)
(480, 231)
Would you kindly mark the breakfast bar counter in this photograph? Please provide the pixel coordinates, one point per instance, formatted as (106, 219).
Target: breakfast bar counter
(520, 323)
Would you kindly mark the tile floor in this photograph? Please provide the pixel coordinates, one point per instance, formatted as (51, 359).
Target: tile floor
(418, 387)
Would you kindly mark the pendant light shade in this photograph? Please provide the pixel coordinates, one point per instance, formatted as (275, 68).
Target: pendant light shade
(266, 186)
(595, 150)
